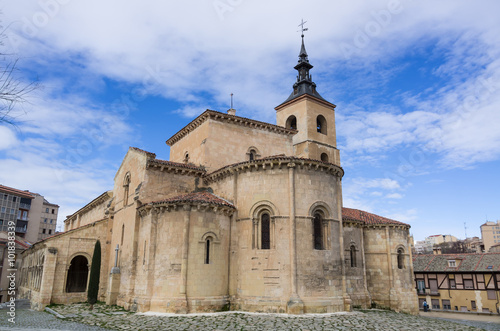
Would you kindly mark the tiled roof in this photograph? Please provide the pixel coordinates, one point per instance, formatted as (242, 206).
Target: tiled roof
(466, 262)
(349, 214)
(143, 151)
(21, 242)
(13, 191)
(197, 197)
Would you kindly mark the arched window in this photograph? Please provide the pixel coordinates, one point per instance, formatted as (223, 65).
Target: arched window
(78, 272)
(186, 157)
(400, 258)
(321, 124)
(318, 232)
(207, 250)
(291, 123)
(324, 157)
(353, 256)
(252, 154)
(126, 185)
(265, 231)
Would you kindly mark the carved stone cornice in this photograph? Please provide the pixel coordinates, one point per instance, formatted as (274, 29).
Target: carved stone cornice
(271, 163)
(165, 207)
(176, 168)
(92, 204)
(226, 118)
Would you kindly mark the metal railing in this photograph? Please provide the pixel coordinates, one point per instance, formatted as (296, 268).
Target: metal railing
(25, 206)
(21, 229)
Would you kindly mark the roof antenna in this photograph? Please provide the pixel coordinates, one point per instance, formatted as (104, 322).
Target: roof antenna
(231, 111)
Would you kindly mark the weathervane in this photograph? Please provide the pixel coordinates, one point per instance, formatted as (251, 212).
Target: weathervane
(302, 27)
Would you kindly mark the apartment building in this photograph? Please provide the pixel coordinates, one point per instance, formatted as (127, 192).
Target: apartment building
(33, 216)
(490, 232)
(458, 282)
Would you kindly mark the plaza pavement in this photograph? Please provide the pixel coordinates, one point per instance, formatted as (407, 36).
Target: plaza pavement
(79, 317)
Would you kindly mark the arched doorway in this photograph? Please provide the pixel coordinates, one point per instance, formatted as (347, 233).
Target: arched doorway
(78, 273)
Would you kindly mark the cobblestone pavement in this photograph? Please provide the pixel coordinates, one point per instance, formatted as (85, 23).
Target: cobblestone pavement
(113, 318)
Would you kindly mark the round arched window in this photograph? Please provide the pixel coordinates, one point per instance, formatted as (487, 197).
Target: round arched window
(291, 123)
(321, 124)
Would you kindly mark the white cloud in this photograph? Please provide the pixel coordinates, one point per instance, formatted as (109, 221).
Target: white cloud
(7, 138)
(394, 196)
(197, 55)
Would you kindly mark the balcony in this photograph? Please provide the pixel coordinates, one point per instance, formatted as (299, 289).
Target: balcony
(20, 229)
(25, 206)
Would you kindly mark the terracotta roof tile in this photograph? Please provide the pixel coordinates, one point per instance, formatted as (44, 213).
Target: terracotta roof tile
(349, 214)
(468, 262)
(197, 197)
(14, 191)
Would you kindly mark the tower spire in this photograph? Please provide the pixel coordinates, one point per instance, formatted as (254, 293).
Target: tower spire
(304, 83)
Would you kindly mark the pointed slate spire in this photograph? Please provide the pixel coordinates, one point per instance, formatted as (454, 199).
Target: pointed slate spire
(303, 53)
(304, 83)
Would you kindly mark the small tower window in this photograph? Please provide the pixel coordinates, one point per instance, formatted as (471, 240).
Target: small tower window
(324, 157)
(321, 124)
(400, 258)
(318, 232)
(291, 123)
(186, 157)
(353, 256)
(265, 227)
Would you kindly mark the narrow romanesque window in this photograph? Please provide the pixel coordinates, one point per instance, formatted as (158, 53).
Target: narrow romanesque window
(291, 123)
(265, 226)
(324, 157)
(252, 154)
(400, 258)
(207, 251)
(78, 271)
(353, 256)
(126, 184)
(123, 233)
(321, 124)
(186, 157)
(318, 232)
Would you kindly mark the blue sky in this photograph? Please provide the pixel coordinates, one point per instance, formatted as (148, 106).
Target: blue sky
(416, 84)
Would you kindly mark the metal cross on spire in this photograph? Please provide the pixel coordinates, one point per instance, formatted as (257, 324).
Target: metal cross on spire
(301, 25)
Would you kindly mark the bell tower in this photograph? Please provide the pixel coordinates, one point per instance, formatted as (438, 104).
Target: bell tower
(311, 115)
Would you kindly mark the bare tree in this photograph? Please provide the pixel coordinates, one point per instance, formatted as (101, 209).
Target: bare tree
(13, 90)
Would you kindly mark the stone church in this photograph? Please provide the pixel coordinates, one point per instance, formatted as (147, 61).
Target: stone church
(246, 215)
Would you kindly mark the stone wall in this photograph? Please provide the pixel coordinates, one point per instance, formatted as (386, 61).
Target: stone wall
(215, 144)
(389, 285)
(356, 286)
(58, 252)
(266, 279)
